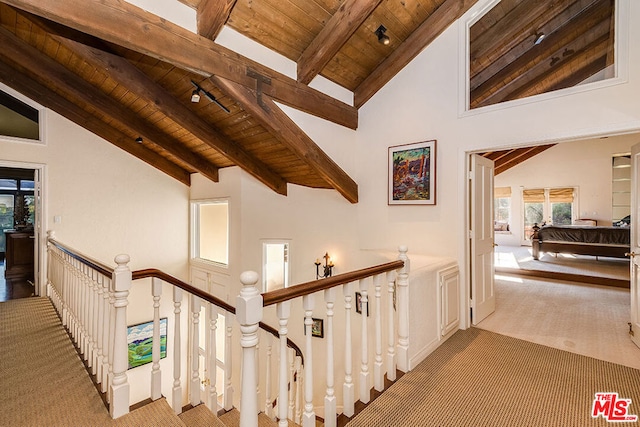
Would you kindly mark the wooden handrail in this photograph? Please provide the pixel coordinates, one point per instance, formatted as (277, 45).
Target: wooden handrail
(281, 295)
(153, 272)
(96, 265)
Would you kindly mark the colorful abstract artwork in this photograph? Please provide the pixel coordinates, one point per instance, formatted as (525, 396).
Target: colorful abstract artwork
(412, 174)
(140, 341)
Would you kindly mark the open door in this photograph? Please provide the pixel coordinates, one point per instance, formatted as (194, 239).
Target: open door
(635, 244)
(483, 299)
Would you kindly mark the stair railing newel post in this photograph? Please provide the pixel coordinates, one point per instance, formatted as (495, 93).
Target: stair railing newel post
(309, 416)
(194, 389)
(156, 374)
(283, 311)
(330, 406)
(176, 398)
(364, 388)
(249, 314)
(403, 311)
(119, 389)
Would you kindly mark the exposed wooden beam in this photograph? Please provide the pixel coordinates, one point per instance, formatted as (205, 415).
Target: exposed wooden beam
(18, 80)
(134, 28)
(520, 156)
(592, 21)
(525, 82)
(127, 75)
(432, 27)
(212, 15)
(335, 33)
(16, 51)
(286, 131)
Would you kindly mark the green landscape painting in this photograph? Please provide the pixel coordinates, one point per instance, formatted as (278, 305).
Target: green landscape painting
(140, 340)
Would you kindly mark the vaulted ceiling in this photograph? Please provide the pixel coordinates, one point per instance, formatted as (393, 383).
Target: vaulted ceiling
(128, 75)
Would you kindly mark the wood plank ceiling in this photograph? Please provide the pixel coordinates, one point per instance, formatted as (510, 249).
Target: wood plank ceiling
(128, 75)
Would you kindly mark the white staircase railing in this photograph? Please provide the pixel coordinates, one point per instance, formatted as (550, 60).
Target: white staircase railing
(92, 301)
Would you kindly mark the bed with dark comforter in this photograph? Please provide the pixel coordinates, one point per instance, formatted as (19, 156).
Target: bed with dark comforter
(582, 240)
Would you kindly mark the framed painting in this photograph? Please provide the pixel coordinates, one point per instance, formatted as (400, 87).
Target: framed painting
(317, 328)
(140, 342)
(412, 174)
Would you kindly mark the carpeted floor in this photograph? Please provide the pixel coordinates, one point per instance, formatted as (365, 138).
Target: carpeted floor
(482, 379)
(519, 257)
(44, 383)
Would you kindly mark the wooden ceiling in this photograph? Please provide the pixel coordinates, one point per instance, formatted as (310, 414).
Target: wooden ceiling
(126, 75)
(507, 64)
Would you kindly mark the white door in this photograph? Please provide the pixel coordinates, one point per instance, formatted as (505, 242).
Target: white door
(635, 244)
(37, 233)
(483, 299)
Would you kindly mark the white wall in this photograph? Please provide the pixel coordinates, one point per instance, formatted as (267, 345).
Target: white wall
(585, 165)
(111, 203)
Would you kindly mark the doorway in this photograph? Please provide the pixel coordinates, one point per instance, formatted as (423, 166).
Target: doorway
(21, 250)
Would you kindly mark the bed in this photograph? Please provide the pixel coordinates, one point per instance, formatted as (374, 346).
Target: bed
(581, 240)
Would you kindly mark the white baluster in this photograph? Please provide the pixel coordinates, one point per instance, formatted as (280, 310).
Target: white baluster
(194, 389)
(99, 278)
(228, 363)
(177, 353)
(403, 311)
(378, 368)
(299, 382)
(156, 374)
(283, 311)
(106, 323)
(292, 376)
(249, 314)
(112, 334)
(268, 404)
(309, 416)
(365, 393)
(119, 390)
(94, 321)
(391, 328)
(330, 405)
(212, 357)
(348, 389)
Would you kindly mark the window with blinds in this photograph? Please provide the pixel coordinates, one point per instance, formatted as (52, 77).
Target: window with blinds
(501, 209)
(547, 206)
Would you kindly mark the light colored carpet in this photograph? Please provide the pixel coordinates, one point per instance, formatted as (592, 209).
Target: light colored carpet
(585, 319)
(482, 379)
(520, 257)
(44, 382)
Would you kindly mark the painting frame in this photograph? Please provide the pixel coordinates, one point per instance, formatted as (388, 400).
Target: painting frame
(359, 307)
(317, 328)
(140, 342)
(412, 174)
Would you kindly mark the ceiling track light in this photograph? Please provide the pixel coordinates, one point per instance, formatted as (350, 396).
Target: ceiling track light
(195, 96)
(139, 140)
(382, 37)
(539, 38)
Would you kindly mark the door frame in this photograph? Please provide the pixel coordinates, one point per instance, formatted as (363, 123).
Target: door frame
(40, 225)
(465, 194)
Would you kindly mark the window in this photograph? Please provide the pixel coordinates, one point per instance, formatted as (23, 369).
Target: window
(275, 265)
(501, 209)
(210, 231)
(547, 206)
(18, 119)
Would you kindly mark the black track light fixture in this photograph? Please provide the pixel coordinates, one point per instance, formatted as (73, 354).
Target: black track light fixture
(195, 96)
(382, 37)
